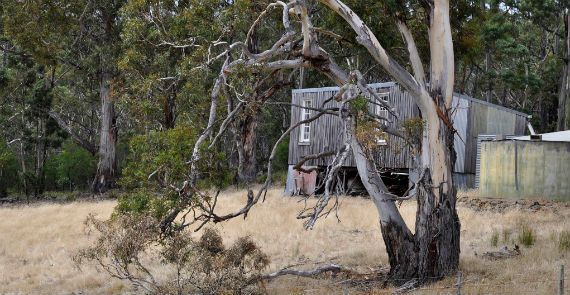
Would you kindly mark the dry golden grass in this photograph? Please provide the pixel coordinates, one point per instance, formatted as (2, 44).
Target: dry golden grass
(36, 243)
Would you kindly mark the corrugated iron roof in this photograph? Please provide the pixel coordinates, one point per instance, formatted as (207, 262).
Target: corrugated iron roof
(390, 84)
(552, 136)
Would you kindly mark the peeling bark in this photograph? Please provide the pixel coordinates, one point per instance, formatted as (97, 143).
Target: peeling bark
(399, 240)
(433, 251)
(437, 223)
(246, 143)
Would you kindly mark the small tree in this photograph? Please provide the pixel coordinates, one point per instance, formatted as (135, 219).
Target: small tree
(129, 245)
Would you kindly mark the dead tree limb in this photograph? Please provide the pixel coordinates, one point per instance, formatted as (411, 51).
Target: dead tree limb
(299, 165)
(86, 144)
(333, 268)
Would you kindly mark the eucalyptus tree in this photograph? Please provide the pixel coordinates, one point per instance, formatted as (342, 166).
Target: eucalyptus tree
(161, 41)
(512, 54)
(433, 250)
(552, 19)
(28, 130)
(165, 43)
(78, 38)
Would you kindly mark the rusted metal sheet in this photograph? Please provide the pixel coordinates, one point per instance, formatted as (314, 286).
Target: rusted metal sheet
(304, 183)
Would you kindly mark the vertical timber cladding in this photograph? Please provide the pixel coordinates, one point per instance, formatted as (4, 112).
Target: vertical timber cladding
(326, 132)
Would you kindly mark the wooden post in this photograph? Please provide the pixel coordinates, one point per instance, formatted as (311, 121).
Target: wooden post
(561, 281)
(458, 284)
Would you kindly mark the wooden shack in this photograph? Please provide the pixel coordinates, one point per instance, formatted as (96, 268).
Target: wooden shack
(471, 117)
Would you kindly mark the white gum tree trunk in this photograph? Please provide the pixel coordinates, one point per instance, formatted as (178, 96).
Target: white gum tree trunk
(105, 178)
(433, 250)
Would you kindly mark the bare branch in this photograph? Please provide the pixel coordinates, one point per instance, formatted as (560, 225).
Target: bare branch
(86, 144)
(415, 59)
(367, 38)
(252, 200)
(318, 209)
(226, 122)
(332, 34)
(211, 119)
(299, 165)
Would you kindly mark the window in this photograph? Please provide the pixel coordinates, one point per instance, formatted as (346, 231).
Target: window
(381, 111)
(305, 134)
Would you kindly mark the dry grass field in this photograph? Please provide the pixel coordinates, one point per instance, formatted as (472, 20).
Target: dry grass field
(37, 241)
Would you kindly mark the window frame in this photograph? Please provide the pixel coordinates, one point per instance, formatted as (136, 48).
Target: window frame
(305, 131)
(381, 111)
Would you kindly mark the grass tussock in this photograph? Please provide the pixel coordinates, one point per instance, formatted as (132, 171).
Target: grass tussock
(494, 238)
(564, 241)
(38, 241)
(526, 235)
(507, 236)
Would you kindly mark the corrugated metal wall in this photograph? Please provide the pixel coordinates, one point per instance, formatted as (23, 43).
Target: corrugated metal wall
(460, 116)
(486, 118)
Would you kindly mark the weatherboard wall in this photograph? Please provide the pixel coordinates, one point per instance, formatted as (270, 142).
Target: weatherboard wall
(471, 117)
(327, 131)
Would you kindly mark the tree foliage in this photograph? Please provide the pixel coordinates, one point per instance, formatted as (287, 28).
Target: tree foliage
(129, 246)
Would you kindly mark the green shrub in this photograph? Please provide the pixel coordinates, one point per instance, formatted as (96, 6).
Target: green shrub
(73, 168)
(163, 155)
(8, 170)
(526, 235)
(564, 241)
(163, 152)
(141, 202)
(188, 265)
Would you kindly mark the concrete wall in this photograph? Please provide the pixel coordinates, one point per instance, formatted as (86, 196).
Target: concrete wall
(525, 169)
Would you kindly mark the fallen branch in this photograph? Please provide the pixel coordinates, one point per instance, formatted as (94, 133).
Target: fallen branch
(503, 253)
(334, 268)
